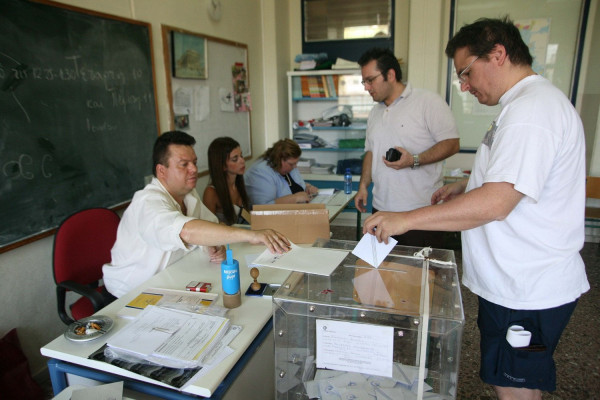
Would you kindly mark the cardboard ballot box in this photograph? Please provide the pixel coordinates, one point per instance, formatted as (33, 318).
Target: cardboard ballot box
(392, 332)
(300, 223)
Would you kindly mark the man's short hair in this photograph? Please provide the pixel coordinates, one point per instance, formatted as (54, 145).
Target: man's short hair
(483, 35)
(386, 60)
(160, 154)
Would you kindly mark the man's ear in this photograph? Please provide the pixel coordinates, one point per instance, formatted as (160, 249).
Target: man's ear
(498, 54)
(390, 75)
(160, 170)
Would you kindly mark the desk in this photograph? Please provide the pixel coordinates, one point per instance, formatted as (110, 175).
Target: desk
(341, 202)
(254, 315)
(338, 202)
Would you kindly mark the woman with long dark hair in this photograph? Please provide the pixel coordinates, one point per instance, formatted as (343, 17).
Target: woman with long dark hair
(225, 194)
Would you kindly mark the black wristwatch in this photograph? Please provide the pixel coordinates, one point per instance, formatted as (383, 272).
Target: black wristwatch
(416, 162)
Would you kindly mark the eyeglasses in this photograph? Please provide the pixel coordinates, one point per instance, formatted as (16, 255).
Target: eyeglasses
(462, 79)
(291, 164)
(369, 80)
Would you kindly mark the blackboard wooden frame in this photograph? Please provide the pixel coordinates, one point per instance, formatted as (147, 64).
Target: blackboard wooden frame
(80, 177)
(218, 122)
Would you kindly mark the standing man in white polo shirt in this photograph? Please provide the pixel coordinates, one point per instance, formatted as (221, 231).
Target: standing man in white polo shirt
(417, 123)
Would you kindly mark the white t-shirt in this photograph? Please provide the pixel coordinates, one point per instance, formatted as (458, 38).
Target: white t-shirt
(148, 237)
(531, 260)
(416, 121)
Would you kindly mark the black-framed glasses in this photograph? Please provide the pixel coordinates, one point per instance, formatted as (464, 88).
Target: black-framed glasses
(370, 79)
(462, 78)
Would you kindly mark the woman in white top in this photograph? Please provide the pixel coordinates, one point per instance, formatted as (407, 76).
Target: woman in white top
(226, 194)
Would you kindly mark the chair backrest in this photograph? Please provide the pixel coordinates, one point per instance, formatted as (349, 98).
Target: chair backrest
(82, 245)
(592, 187)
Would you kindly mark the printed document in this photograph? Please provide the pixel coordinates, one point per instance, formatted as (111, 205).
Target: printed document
(353, 347)
(168, 337)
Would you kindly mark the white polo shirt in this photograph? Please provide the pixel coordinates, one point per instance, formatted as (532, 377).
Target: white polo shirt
(416, 121)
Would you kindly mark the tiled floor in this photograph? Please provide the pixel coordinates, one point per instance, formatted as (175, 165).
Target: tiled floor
(577, 356)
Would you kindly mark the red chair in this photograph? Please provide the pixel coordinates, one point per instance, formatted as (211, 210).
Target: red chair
(81, 247)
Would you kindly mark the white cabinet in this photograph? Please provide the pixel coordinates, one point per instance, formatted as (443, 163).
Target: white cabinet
(310, 93)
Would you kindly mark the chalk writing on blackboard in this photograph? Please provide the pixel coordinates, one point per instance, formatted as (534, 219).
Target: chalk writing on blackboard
(77, 114)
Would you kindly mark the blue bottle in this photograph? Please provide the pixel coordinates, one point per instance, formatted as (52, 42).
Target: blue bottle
(230, 280)
(347, 181)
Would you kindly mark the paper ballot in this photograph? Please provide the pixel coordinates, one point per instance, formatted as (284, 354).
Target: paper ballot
(371, 251)
(312, 260)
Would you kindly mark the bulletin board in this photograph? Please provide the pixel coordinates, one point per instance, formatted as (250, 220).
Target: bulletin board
(554, 32)
(207, 85)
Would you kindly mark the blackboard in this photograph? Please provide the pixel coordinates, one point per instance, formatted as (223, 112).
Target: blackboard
(218, 88)
(78, 114)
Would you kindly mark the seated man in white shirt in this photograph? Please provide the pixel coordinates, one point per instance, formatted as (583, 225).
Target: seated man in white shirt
(166, 219)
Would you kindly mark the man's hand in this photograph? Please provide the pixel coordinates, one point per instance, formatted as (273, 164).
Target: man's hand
(360, 200)
(405, 160)
(448, 192)
(216, 253)
(385, 224)
(275, 241)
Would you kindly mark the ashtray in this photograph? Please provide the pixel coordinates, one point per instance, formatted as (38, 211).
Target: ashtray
(89, 328)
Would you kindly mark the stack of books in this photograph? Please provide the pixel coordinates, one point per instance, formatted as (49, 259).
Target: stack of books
(304, 165)
(316, 86)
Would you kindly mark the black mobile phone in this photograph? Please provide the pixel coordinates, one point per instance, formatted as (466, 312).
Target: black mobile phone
(392, 155)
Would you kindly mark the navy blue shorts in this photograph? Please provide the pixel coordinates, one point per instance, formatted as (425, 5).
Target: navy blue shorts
(530, 367)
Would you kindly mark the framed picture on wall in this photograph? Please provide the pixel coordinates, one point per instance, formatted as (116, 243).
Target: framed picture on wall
(189, 56)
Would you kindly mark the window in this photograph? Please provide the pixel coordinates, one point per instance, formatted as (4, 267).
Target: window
(346, 28)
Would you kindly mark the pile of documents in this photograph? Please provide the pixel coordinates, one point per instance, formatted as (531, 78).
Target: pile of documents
(173, 338)
(304, 165)
(341, 63)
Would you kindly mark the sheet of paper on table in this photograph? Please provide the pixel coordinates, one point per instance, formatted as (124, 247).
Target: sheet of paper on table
(311, 260)
(185, 300)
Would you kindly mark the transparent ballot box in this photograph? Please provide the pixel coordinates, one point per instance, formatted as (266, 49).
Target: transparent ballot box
(392, 332)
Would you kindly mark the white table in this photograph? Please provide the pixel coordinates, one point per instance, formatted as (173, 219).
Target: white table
(254, 315)
(338, 202)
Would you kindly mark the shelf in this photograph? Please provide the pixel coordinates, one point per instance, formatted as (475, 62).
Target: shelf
(336, 149)
(315, 98)
(332, 128)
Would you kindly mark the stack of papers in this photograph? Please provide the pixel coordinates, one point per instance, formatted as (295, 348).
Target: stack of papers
(321, 169)
(341, 63)
(304, 165)
(176, 339)
(323, 196)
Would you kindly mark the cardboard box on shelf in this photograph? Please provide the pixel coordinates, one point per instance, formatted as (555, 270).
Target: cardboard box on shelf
(300, 223)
